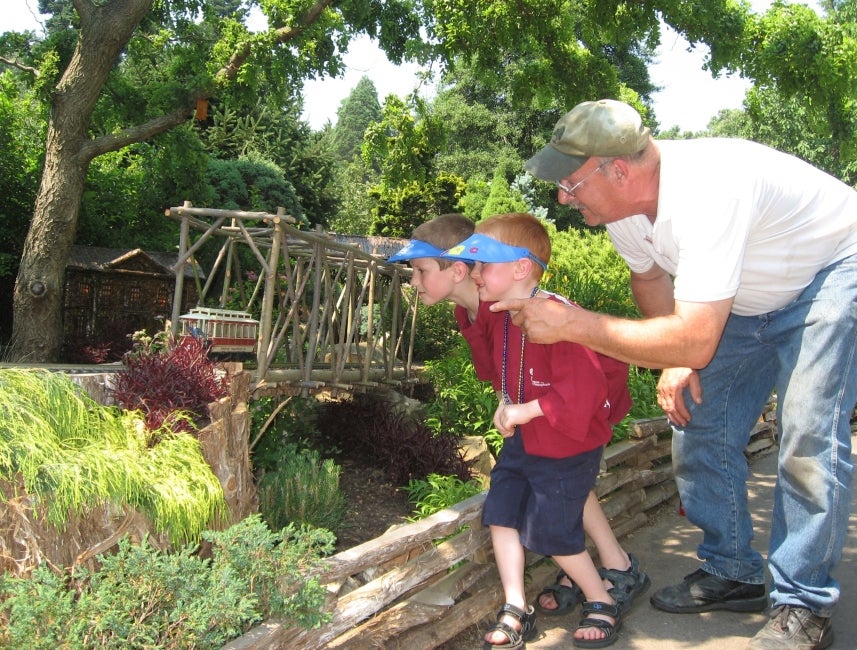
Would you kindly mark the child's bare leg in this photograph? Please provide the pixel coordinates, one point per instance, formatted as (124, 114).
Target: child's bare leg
(611, 553)
(582, 571)
(510, 558)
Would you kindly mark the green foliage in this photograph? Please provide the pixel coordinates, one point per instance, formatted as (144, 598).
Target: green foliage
(586, 268)
(436, 332)
(403, 144)
(356, 113)
(435, 493)
(252, 184)
(790, 125)
(142, 597)
(22, 126)
(127, 190)
(643, 386)
(303, 489)
(74, 455)
(399, 210)
(271, 134)
(808, 60)
(357, 204)
(403, 147)
(501, 199)
(279, 428)
(462, 403)
(728, 123)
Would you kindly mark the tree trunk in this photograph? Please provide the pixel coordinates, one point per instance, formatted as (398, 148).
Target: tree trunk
(37, 331)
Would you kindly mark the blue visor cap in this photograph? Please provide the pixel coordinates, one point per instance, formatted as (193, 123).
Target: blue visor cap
(481, 248)
(415, 249)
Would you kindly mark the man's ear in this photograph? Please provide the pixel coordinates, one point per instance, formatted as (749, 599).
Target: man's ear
(619, 170)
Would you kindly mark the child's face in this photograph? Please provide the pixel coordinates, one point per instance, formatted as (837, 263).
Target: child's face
(494, 280)
(432, 283)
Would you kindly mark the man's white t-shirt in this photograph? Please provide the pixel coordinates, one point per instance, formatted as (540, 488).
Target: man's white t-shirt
(736, 218)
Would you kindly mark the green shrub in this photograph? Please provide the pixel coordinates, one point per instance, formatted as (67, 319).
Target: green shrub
(462, 404)
(303, 490)
(142, 597)
(436, 492)
(436, 331)
(586, 268)
(643, 385)
(277, 427)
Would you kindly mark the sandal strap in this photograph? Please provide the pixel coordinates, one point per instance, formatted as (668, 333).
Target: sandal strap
(595, 607)
(607, 626)
(517, 612)
(623, 580)
(514, 636)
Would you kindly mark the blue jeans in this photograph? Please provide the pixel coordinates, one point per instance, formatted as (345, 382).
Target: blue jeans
(807, 353)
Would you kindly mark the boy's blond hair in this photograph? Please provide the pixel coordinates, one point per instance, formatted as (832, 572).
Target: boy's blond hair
(444, 232)
(520, 229)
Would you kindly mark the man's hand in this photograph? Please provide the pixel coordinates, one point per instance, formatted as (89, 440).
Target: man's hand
(671, 396)
(542, 321)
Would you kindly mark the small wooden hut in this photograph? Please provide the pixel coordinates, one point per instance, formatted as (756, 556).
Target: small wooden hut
(111, 293)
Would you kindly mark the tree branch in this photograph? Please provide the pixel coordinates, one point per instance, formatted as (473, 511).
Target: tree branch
(139, 133)
(20, 66)
(284, 35)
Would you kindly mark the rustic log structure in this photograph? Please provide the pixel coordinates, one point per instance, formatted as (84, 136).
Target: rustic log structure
(332, 315)
(111, 293)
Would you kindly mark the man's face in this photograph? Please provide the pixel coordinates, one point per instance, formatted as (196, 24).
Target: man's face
(589, 190)
(432, 283)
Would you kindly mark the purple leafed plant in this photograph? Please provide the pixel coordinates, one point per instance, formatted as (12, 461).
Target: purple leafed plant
(165, 381)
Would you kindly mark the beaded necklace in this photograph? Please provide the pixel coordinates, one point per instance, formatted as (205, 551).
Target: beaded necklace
(506, 398)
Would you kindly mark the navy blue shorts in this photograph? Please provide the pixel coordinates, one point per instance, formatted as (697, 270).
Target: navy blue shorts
(542, 498)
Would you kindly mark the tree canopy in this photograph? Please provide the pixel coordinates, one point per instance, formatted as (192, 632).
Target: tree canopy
(120, 81)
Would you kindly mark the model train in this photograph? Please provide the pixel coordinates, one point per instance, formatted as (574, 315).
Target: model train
(228, 332)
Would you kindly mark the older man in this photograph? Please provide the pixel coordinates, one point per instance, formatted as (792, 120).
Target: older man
(743, 263)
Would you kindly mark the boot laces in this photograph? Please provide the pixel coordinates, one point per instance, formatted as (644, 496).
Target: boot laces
(782, 619)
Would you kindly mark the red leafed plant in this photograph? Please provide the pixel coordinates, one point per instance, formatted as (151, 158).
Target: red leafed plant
(169, 381)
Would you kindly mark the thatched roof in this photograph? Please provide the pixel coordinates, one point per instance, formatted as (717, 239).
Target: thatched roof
(97, 258)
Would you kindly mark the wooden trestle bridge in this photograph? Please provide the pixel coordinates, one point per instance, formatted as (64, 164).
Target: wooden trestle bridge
(332, 315)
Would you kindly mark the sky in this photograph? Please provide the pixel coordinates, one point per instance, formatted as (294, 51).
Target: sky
(689, 99)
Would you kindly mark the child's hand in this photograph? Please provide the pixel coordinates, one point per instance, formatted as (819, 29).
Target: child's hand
(509, 416)
(500, 418)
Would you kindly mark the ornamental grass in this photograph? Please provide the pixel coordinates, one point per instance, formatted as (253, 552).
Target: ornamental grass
(72, 454)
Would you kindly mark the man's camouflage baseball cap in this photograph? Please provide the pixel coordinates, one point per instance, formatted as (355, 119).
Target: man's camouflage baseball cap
(605, 128)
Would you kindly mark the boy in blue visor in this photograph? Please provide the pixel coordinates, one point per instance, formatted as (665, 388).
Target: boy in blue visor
(438, 277)
(557, 405)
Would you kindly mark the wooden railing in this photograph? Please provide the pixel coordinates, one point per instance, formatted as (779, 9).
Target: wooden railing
(331, 315)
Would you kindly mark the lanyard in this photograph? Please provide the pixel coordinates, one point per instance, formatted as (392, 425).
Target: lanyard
(506, 398)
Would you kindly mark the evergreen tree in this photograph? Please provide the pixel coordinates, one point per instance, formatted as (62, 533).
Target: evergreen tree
(355, 114)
